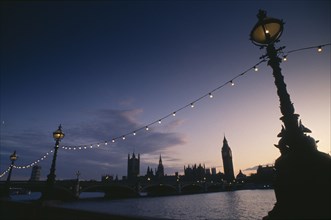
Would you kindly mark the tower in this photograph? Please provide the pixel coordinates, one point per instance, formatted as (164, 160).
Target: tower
(227, 161)
(160, 169)
(133, 166)
(35, 173)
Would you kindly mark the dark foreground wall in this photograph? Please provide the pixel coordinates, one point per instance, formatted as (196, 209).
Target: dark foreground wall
(18, 210)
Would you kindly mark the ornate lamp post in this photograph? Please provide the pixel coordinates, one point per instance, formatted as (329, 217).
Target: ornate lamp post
(58, 135)
(77, 187)
(303, 174)
(12, 158)
(77, 175)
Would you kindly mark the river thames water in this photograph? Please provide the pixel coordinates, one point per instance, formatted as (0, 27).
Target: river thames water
(242, 204)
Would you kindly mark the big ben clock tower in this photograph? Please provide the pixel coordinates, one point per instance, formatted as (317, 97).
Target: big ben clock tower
(227, 161)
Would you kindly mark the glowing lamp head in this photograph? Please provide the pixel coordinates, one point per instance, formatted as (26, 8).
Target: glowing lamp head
(267, 30)
(58, 134)
(13, 157)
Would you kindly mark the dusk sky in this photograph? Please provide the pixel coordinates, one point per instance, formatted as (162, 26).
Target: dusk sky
(105, 69)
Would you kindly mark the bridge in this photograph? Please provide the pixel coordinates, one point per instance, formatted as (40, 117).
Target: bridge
(71, 189)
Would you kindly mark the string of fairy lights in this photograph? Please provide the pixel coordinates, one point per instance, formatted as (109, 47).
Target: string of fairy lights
(147, 127)
(28, 165)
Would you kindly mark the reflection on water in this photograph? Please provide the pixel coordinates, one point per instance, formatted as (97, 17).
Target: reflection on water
(244, 204)
(89, 195)
(23, 197)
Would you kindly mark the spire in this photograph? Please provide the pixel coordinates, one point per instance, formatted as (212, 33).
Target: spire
(160, 168)
(225, 143)
(160, 160)
(224, 140)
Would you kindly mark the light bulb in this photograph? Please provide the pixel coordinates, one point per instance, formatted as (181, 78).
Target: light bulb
(147, 128)
(160, 122)
(134, 133)
(285, 58)
(192, 105)
(256, 69)
(232, 83)
(319, 49)
(123, 137)
(210, 95)
(174, 114)
(113, 140)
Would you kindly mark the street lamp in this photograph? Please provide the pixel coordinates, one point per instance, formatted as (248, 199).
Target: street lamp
(58, 135)
(12, 158)
(303, 174)
(266, 33)
(77, 175)
(267, 30)
(77, 187)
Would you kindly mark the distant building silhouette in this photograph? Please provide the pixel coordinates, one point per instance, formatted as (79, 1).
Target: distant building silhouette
(265, 174)
(133, 167)
(213, 171)
(240, 176)
(160, 169)
(227, 161)
(35, 173)
(241, 179)
(149, 173)
(195, 172)
(158, 175)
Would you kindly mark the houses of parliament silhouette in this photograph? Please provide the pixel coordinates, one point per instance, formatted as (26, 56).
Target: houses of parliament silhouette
(195, 179)
(191, 172)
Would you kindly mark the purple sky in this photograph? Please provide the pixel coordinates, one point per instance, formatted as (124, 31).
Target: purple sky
(104, 69)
